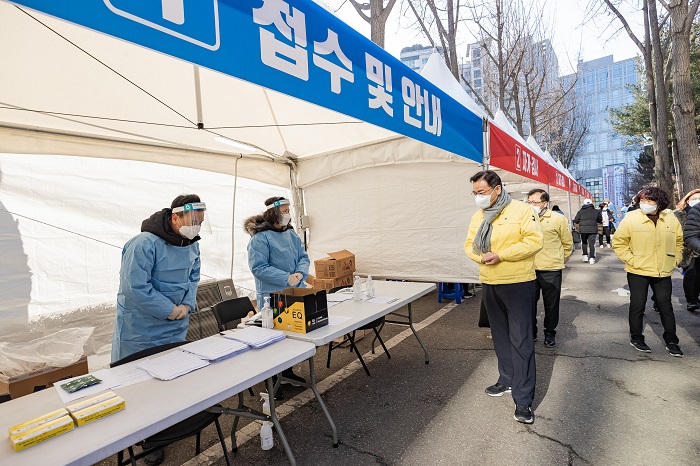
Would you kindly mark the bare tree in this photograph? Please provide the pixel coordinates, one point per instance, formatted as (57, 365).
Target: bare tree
(377, 17)
(564, 135)
(655, 81)
(438, 19)
(682, 13)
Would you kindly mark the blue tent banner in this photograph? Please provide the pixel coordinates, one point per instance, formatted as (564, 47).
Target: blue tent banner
(291, 46)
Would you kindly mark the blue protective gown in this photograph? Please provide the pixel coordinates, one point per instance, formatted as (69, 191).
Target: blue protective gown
(154, 277)
(273, 256)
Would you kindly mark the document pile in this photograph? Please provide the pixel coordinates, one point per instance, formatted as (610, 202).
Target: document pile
(255, 337)
(215, 348)
(172, 365)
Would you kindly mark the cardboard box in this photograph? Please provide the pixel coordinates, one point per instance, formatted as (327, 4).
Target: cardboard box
(32, 423)
(41, 432)
(300, 309)
(39, 379)
(339, 264)
(329, 283)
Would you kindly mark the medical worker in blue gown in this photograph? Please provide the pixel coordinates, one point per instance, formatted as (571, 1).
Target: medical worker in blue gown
(276, 255)
(158, 279)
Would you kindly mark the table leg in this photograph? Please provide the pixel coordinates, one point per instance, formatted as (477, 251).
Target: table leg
(276, 422)
(410, 324)
(312, 385)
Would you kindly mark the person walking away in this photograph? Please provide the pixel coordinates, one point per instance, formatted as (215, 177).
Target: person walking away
(586, 223)
(504, 236)
(276, 255)
(605, 215)
(649, 241)
(549, 262)
(690, 262)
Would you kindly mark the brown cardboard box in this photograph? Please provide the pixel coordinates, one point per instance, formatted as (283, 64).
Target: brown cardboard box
(39, 379)
(328, 283)
(299, 309)
(339, 264)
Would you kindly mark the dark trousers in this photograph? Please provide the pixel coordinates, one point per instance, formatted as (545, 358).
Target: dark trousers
(606, 233)
(661, 287)
(548, 283)
(691, 282)
(510, 310)
(588, 241)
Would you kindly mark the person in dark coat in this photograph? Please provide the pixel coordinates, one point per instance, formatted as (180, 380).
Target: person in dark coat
(688, 214)
(586, 223)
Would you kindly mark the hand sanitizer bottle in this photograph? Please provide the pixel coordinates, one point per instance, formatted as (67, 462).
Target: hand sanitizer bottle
(267, 441)
(267, 318)
(370, 287)
(357, 289)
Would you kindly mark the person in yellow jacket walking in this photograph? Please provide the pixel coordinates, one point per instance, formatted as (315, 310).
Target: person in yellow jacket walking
(504, 236)
(649, 240)
(549, 262)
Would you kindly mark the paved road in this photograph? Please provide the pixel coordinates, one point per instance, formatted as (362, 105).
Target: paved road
(598, 401)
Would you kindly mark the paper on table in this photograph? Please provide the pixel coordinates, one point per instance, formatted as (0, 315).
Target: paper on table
(335, 320)
(215, 348)
(172, 365)
(382, 300)
(120, 376)
(338, 297)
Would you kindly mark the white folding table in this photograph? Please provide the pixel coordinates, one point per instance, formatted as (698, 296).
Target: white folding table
(152, 406)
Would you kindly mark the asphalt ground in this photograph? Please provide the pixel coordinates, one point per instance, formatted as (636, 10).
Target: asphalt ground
(598, 401)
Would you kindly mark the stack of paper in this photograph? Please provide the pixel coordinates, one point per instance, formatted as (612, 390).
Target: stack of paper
(255, 337)
(214, 348)
(172, 365)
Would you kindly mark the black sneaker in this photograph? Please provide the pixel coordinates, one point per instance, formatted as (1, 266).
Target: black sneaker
(655, 308)
(524, 414)
(549, 341)
(693, 306)
(497, 389)
(674, 349)
(155, 458)
(292, 378)
(640, 346)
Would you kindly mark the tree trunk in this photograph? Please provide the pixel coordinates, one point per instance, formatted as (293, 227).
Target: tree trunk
(377, 26)
(683, 107)
(662, 171)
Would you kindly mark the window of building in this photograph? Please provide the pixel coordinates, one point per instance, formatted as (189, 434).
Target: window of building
(476, 53)
(589, 79)
(617, 75)
(602, 101)
(425, 60)
(602, 78)
(477, 62)
(615, 98)
(477, 83)
(477, 73)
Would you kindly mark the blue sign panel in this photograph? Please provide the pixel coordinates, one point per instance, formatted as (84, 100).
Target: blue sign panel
(291, 46)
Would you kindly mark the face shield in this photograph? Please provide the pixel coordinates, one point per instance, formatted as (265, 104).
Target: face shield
(191, 219)
(281, 210)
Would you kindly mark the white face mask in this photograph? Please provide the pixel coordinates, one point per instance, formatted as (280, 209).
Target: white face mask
(537, 209)
(284, 221)
(190, 232)
(483, 201)
(648, 208)
(694, 202)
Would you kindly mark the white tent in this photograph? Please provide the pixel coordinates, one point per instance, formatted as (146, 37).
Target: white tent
(69, 91)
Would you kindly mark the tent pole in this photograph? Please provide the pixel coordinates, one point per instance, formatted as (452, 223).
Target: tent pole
(486, 156)
(568, 198)
(233, 213)
(198, 98)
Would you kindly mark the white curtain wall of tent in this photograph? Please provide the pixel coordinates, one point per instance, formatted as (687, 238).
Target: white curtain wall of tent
(98, 133)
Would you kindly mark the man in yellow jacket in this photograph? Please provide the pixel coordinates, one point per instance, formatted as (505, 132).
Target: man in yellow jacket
(549, 262)
(649, 240)
(503, 238)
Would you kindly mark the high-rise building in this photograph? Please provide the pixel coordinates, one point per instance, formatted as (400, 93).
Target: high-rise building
(416, 56)
(607, 160)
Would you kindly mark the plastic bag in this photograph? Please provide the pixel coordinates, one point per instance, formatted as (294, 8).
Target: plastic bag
(59, 349)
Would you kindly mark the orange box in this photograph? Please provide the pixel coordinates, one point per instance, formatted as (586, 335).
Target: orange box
(339, 264)
(33, 381)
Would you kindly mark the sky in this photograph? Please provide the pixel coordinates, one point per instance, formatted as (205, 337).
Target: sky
(597, 38)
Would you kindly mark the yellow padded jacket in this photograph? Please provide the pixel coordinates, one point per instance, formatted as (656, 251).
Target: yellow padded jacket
(558, 242)
(516, 238)
(648, 250)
